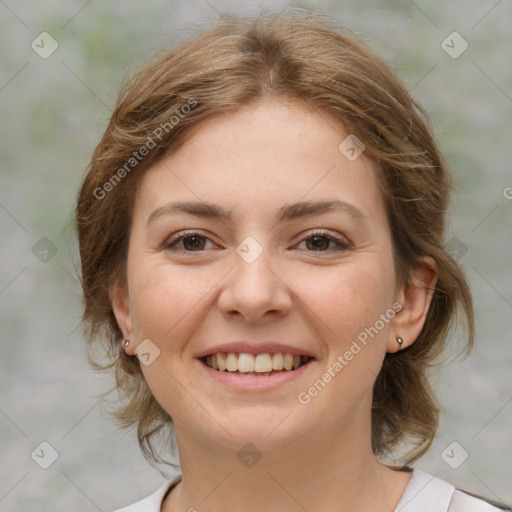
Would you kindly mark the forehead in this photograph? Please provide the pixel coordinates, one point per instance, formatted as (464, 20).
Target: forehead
(263, 155)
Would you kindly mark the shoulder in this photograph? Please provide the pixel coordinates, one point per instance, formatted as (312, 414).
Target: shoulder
(464, 501)
(153, 502)
(428, 493)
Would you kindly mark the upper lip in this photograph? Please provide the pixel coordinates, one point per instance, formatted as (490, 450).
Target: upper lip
(255, 347)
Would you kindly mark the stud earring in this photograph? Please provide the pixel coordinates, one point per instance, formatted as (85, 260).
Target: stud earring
(400, 342)
(126, 343)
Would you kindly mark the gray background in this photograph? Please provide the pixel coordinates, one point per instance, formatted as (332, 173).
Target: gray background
(53, 113)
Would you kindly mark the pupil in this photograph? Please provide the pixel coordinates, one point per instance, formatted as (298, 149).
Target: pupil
(319, 242)
(196, 241)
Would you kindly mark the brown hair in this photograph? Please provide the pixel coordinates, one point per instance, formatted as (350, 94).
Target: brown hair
(233, 63)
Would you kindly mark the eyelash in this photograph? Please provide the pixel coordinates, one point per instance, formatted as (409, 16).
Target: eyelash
(342, 245)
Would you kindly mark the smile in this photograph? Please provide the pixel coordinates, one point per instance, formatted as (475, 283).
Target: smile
(265, 364)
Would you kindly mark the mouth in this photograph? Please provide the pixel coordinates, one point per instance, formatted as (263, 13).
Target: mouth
(260, 365)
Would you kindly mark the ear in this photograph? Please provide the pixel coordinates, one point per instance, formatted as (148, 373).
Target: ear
(120, 302)
(415, 298)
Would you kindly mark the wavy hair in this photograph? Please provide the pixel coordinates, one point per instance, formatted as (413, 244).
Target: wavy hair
(233, 63)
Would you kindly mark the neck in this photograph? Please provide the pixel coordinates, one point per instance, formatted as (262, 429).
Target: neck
(321, 472)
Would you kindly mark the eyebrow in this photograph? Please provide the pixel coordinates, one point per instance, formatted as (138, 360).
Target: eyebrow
(286, 212)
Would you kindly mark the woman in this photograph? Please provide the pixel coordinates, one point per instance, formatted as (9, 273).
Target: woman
(262, 241)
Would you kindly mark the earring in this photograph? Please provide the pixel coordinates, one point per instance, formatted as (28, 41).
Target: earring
(400, 342)
(126, 343)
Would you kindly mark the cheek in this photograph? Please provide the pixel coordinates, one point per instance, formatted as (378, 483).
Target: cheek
(167, 298)
(349, 299)
(349, 304)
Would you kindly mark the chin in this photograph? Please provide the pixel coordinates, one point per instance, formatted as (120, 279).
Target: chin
(263, 429)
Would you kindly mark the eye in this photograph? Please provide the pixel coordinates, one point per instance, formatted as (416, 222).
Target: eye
(319, 241)
(194, 241)
(191, 241)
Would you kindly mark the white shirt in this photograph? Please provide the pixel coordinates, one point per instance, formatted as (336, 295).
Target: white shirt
(424, 493)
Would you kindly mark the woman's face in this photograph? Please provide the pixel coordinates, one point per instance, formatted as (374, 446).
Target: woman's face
(286, 248)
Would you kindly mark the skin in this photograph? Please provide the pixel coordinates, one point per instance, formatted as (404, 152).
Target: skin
(252, 162)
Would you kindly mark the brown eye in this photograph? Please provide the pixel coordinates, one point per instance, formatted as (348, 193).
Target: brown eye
(188, 242)
(321, 242)
(318, 242)
(193, 242)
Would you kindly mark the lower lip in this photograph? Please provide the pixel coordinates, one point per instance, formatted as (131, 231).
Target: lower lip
(254, 382)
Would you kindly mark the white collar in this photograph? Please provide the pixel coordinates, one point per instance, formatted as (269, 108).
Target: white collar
(425, 493)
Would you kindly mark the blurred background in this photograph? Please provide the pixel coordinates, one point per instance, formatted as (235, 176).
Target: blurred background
(60, 69)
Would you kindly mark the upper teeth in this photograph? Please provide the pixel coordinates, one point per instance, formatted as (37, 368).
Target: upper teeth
(244, 362)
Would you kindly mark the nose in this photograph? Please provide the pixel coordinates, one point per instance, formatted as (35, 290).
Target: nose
(254, 291)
